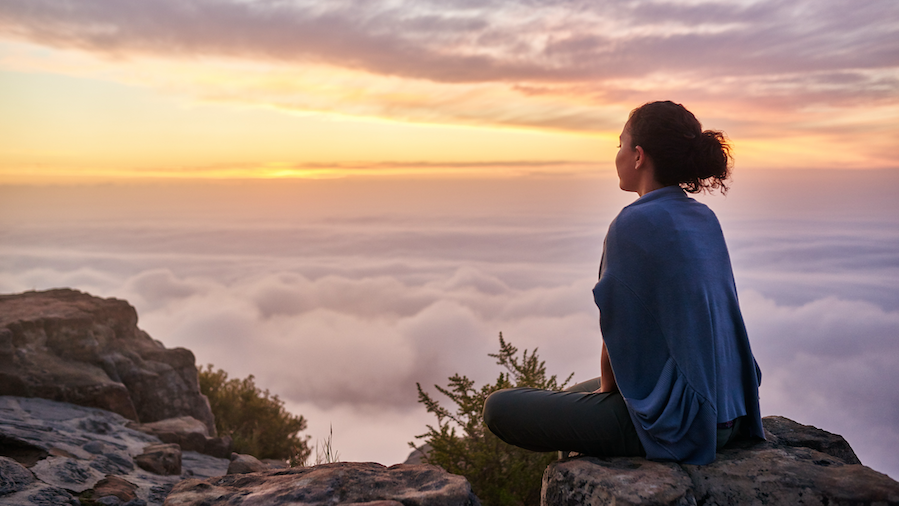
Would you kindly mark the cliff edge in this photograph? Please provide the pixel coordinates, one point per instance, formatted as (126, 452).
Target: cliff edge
(69, 346)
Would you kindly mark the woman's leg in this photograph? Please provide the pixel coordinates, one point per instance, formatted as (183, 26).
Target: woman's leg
(544, 420)
(591, 385)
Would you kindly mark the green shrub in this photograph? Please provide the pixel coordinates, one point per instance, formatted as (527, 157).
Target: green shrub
(255, 419)
(500, 474)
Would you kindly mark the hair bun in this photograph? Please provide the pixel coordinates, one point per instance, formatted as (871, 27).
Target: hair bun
(682, 153)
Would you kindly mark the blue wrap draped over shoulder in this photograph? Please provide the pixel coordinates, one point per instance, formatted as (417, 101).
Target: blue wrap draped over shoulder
(672, 325)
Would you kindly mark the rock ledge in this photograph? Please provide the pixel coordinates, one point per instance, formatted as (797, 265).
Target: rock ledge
(68, 346)
(797, 465)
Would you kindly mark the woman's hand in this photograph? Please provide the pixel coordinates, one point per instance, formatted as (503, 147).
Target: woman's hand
(607, 380)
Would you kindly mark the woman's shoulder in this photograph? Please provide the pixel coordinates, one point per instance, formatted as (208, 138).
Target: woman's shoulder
(662, 222)
(652, 210)
(664, 206)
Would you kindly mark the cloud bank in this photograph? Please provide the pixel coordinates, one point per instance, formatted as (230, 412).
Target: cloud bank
(342, 311)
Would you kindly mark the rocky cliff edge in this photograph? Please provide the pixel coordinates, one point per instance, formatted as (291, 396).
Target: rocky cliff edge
(68, 346)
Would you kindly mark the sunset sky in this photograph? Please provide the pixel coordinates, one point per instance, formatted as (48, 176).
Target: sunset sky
(106, 89)
(345, 198)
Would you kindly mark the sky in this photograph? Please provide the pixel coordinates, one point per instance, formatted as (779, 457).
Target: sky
(266, 88)
(346, 198)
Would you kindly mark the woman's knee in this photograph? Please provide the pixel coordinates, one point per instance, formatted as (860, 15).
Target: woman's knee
(499, 408)
(493, 408)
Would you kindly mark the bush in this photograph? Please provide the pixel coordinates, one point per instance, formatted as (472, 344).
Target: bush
(255, 419)
(500, 474)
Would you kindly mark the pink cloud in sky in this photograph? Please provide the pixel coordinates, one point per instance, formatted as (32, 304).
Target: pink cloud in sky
(770, 54)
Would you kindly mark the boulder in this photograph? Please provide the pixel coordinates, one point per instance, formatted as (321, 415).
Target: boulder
(188, 433)
(69, 346)
(112, 486)
(798, 464)
(218, 447)
(336, 483)
(162, 459)
(419, 454)
(243, 464)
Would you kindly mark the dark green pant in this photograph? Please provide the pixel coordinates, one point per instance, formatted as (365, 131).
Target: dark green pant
(574, 420)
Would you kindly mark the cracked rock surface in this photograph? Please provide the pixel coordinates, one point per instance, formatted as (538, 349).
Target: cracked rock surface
(797, 465)
(58, 453)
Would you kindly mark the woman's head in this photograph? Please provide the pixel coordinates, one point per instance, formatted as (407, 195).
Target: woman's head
(680, 151)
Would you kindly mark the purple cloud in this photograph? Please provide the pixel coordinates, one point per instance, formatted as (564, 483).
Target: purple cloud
(496, 41)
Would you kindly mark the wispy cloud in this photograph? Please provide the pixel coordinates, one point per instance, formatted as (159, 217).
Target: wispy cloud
(564, 60)
(460, 42)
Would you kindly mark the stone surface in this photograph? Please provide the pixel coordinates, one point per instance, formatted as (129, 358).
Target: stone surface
(113, 486)
(336, 483)
(42, 432)
(622, 481)
(188, 433)
(797, 465)
(40, 495)
(275, 464)
(69, 346)
(787, 476)
(418, 455)
(786, 432)
(71, 474)
(218, 447)
(13, 476)
(243, 464)
(162, 459)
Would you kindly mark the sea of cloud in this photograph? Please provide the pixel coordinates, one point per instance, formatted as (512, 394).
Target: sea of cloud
(340, 296)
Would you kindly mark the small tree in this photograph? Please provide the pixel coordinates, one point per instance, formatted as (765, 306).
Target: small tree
(500, 474)
(255, 419)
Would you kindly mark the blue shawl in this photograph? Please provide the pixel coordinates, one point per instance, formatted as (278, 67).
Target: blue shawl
(672, 325)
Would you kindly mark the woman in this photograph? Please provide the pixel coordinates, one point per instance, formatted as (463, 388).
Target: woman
(678, 377)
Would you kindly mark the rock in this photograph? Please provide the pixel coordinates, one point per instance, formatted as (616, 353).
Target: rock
(218, 447)
(419, 455)
(243, 464)
(799, 464)
(188, 433)
(789, 476)
(13, 476)
(161, 459)
(276, 464)
(69, 346)
(21, 451)
(42, 495)
(67, 473)
(621, 481)
(786, 432)
(337, 483)
(113, 486)
(41, 432)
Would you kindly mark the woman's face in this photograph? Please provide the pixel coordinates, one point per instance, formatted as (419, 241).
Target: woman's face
(626, 162)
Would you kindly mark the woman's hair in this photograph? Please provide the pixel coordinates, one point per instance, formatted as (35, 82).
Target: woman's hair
(681, 152)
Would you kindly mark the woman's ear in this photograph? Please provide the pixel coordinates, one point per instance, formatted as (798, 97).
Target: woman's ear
(639, 158)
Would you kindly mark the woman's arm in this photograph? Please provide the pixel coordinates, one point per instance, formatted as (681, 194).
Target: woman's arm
(607, 380)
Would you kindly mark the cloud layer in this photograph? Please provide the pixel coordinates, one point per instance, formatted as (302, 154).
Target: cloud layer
(342, 311)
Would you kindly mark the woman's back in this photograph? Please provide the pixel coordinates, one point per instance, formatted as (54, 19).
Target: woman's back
(671, 320)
